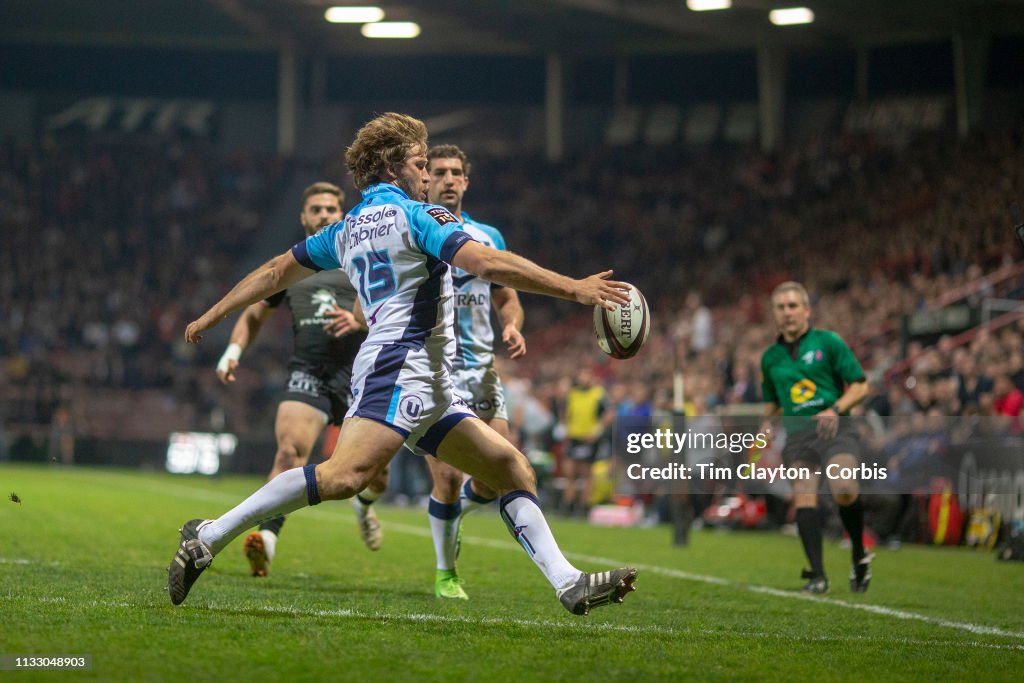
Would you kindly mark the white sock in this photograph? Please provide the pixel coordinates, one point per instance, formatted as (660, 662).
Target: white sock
(362, 501)
(287, 492)
(444, 523)
(471, 500)
(526, 523)
(269, 543)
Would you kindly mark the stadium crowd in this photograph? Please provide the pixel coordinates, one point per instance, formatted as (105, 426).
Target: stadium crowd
(97, 278)
(876, 232)
(96, 283)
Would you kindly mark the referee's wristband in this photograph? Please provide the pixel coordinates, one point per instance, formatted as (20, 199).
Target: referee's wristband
(232, 353)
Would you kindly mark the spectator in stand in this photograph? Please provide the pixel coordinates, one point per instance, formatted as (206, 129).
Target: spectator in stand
(944, 394)
(744, 386)
(974, 387)
(1015, 368)
(699, 328)
(1007, 401)
(921, 393)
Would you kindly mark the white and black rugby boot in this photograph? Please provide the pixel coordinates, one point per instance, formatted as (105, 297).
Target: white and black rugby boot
(191, 559)
(598, 589)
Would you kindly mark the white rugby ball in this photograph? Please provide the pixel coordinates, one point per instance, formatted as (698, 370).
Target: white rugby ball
(623, 331)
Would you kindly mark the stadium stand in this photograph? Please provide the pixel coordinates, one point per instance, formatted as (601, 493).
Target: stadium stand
(103, 344)
(97, 282)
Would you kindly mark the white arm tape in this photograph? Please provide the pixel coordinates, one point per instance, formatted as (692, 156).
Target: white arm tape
(232, 353)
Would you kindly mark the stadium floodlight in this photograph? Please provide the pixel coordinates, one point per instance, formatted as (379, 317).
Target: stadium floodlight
(391, 29)
(708, 5)
(353, 15)
(791, 15)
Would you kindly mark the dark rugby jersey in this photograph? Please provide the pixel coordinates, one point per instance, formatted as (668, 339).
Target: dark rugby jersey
(308, 302)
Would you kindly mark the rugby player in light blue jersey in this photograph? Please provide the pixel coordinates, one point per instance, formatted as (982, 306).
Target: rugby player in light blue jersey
(397, 251)
(474, 378)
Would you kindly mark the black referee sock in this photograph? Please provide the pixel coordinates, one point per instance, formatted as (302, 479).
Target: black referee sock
(808, 523)
(273, 524)
(853, 521)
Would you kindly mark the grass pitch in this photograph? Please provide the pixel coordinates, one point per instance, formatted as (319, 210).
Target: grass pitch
(82, 571)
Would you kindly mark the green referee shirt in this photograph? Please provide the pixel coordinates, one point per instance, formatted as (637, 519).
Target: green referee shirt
(807, 376)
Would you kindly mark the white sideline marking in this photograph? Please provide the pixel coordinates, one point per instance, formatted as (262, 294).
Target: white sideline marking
(327, 513)
(24, 561)
(976, 629)
(574, 624)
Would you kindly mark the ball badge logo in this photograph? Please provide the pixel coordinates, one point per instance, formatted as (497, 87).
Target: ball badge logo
(411, 407)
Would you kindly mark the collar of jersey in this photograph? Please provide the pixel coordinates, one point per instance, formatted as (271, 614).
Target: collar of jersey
(782, 340)
(380, 188)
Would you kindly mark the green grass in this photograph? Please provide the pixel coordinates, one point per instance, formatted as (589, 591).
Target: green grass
(82, 571)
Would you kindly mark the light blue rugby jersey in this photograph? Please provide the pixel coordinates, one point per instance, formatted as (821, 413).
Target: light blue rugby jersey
(474, 334)
(396, 252)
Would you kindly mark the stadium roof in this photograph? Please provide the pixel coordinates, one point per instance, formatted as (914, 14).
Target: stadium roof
(497, 27)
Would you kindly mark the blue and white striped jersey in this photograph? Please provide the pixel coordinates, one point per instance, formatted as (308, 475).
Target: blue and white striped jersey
(474, 334)
(396, 252)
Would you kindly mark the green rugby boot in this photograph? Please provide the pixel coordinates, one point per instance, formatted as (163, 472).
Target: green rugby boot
(448, 585)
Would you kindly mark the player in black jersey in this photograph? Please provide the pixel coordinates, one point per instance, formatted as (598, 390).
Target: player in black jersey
(327, 338)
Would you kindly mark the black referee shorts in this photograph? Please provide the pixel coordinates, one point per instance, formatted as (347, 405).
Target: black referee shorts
(806, 446)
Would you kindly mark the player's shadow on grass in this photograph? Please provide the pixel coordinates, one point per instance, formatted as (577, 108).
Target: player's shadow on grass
(301, 586)
(371, 611)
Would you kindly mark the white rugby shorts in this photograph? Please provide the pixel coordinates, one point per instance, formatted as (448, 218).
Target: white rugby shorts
(396, 385)
(482, 391)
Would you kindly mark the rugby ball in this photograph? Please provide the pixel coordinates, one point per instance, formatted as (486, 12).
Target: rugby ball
(623, 331)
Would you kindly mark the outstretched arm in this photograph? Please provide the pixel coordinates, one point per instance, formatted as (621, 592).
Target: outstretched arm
(276, 274)
(506, 268)
(510, 315)
(244, 333)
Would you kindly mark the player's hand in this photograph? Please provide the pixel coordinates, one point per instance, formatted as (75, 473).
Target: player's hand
(226, 371)
(767, 429)
(342, 322)
(228, 362)
(828, 423)
(515, 341)
(598, 290)
(194, 330)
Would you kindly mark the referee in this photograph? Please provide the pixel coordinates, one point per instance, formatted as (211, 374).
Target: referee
(811, 377)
